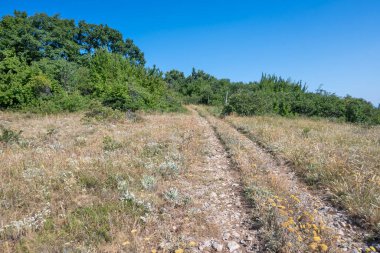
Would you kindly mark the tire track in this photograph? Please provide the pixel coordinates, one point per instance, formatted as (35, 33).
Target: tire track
(349, 236)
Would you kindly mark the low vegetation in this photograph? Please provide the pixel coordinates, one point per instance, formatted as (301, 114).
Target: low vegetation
(95, 185)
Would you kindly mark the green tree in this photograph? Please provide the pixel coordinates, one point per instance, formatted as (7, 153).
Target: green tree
(41, 36)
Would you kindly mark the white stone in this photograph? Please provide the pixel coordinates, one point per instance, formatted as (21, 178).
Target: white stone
(232, 246)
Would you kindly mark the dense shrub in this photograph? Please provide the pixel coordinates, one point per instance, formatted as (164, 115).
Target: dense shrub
(274, 95)
(359, 110)
(101, 113)
(270, 95)
(9, 136)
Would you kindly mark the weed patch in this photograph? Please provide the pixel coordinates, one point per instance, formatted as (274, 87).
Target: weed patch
(9, 136)
(110, 144)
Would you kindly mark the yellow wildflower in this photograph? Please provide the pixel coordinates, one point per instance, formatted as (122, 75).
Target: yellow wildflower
(154, 251)
(295, 198)
(313, 246)
(317, 239)
(323, 247)
(179, 251)
(373, 248)
(126, 243)
(192, 244)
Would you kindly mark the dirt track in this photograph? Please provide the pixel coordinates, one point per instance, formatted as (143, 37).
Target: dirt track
(349, 236)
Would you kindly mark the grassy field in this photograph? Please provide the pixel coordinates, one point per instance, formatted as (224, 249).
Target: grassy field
(73, 183)
(104, 182)
(341, 159)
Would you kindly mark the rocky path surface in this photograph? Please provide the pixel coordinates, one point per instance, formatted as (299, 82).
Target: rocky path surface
(219, 198)
(349, 236)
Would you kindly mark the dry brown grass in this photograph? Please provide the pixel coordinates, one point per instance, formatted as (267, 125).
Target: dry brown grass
(86, 185)
(73, 184)
(343, 159)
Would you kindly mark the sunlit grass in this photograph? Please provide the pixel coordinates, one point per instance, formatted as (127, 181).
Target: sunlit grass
(342, 159)
(74, 183)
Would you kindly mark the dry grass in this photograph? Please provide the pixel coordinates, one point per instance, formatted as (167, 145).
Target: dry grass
(74, 184)
(69, 184)
(285, 216)
(341, 158)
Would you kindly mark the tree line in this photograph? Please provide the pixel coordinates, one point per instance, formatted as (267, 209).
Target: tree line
(50, 64)
(270, 95)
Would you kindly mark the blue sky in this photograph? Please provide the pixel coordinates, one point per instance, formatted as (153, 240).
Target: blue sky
(335, 43)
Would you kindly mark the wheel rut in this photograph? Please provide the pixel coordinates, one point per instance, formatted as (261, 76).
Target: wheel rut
(349, 236)
(220, 199)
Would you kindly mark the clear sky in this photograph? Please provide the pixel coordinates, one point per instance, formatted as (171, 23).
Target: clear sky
(335, 43)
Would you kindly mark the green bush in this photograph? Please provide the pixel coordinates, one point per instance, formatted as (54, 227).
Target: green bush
(358, 110)
(9, 136)
(110, 144)
(102, 113)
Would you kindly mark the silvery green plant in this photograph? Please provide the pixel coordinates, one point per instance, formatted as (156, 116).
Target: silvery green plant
(153, 149)
(35, 221)
(169, 169)
(172, 195)
(122, 185)
(127, 196)
(148, 182)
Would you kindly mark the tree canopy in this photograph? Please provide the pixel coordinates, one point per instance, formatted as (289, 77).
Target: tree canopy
(51, 64)
(41, 36)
